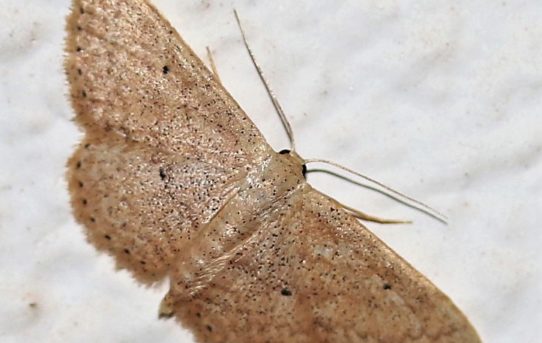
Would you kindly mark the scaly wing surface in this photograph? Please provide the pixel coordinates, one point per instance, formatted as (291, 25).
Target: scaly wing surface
(164, 142)
(313, 273)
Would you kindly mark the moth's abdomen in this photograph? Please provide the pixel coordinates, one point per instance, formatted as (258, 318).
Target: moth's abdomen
(262, 192)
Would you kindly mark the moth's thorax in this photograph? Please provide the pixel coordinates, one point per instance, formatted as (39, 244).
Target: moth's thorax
(274, 177)
(191, 189)
(263, 191)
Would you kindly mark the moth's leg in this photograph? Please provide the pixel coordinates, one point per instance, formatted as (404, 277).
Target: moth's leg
(364, 216)
(187, 263)
(216, 243)
(221, 239)
(206, 275)
(213, 65)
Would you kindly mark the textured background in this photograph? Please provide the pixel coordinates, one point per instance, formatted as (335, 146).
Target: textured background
(438, 100)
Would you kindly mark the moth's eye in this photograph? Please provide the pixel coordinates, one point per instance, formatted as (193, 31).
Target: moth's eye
(304, 171)
(284, 151)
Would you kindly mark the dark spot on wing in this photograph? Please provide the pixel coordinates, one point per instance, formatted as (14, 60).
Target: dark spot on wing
(162, 173)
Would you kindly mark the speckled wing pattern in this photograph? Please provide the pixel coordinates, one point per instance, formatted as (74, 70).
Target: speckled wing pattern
(315, 274)
(173, 179)
(162, 149)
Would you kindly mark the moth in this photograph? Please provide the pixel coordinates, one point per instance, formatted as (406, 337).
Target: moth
(174, 180)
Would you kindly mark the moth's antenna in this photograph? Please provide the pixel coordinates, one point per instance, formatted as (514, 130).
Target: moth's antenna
(274, 100)
(417, 204)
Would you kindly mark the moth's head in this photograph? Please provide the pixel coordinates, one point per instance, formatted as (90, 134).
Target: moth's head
(295, 159)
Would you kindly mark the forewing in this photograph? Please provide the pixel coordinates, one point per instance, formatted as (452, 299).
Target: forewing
(314, 274)
(164, 142)
(131, 74)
